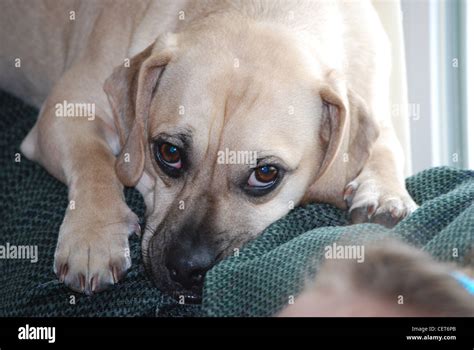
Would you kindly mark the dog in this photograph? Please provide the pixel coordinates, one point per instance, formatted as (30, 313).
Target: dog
(147, 94)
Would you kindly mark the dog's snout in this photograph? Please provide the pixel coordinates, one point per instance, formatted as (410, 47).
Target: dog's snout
(186, 273)
(189, 266)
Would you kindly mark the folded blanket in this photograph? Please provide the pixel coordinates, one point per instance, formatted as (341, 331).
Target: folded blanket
(258, 282)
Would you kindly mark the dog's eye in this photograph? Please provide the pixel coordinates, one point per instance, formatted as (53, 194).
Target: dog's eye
(263, 177)
(170, 155)
(169, 158)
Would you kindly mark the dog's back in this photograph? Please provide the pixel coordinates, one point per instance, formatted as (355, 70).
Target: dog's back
(34, 54)
(41, 40)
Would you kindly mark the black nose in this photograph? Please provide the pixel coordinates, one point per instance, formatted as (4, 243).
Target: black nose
(188, 265)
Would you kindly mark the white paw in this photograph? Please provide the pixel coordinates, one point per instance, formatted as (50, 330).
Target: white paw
(374, 201)
(92, 252)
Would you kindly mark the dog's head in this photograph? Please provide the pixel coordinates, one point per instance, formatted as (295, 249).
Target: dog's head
(224, 139)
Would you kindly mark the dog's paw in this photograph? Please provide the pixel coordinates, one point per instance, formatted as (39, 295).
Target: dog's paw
(376, 202)
(92, 252)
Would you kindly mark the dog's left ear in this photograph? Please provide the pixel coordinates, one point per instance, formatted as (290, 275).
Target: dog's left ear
(130, 91)
(334, 122)
(346, 126)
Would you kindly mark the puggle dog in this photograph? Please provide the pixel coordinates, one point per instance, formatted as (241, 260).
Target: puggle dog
(303, 85)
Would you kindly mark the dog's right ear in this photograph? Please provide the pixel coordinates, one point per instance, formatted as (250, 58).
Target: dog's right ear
(346, 123)
(130, 90)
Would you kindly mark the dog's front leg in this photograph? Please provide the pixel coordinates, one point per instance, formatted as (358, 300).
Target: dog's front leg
(378, 193)
(92, 250)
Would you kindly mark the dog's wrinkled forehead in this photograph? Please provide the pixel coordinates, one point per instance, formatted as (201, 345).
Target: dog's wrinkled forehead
(229, 108)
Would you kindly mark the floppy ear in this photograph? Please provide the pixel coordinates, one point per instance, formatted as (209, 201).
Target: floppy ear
(333, 125)
(130, 91)
(346, 126)
(364, 131)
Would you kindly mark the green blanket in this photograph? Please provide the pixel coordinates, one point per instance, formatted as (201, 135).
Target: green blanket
(258, 282)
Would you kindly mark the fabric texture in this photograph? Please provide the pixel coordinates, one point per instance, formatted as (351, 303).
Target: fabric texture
(259, 281)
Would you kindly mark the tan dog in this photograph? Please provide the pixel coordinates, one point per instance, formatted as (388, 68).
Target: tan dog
(302, 85)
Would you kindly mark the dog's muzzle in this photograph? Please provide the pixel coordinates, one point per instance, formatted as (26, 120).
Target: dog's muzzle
(178, 266)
